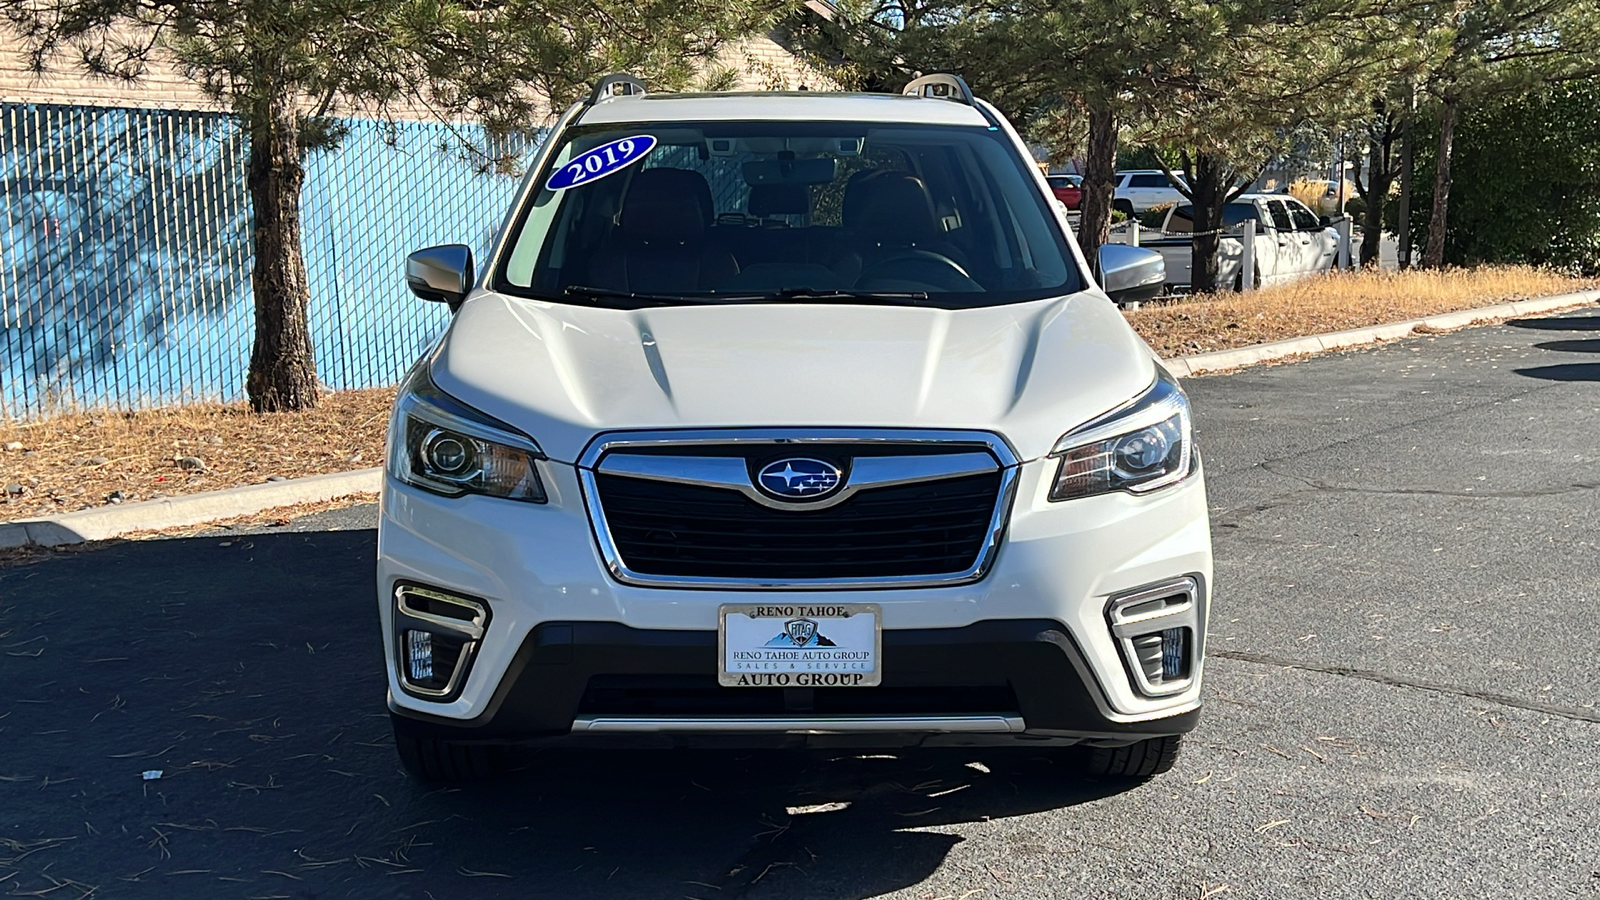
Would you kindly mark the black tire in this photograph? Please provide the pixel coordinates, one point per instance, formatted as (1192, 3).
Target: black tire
(432, 759)
(1123, 206)
(1145, 759)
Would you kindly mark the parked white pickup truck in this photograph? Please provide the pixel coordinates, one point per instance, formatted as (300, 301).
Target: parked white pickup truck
(1291, 241)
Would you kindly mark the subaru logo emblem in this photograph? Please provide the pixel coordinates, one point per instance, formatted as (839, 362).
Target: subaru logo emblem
(799, 479)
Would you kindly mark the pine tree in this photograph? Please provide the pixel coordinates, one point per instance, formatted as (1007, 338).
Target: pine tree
(286, 67)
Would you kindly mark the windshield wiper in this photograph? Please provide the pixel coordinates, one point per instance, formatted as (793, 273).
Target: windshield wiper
(821, 295)
(801, 294)
(595, 293)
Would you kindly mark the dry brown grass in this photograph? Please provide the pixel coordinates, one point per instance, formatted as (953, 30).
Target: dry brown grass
(77, 460)
(1335, 302)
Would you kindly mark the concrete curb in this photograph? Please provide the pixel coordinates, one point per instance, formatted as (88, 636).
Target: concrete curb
(104, 522)
(1320, 343)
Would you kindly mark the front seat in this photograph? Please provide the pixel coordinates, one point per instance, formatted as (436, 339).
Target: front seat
(661, 243)
(888, 212)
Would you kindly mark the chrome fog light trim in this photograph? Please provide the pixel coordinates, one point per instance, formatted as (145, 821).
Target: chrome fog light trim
(434, 630)
(1158, 631)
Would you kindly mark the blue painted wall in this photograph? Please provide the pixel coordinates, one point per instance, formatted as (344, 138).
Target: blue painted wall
(125, 253)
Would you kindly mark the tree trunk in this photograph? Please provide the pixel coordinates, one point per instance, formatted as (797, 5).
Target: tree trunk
(1380, 177)
(1208, 195)
(1438, 221)
(1407, 171)
(1099, 184)
(283, 371)
(1372, 225)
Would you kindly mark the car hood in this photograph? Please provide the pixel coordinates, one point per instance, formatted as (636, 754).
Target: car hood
(565, 373)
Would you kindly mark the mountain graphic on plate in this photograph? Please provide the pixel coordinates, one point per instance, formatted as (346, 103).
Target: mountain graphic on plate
(800, 633)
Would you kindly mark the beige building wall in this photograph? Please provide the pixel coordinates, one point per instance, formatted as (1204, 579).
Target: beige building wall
(760, 64)
(763, 64)
(162, 88)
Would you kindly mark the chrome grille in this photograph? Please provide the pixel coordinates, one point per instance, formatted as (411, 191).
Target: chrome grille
(683, 509)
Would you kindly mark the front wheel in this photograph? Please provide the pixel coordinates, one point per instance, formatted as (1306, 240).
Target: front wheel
(1144, 759)
(432, 759)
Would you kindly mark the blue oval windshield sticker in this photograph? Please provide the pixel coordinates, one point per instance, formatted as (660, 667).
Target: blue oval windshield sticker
(600, 162)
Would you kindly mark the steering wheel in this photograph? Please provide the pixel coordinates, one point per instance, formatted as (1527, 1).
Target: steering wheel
(923, 267)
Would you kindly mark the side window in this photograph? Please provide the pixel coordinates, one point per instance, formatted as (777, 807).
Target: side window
(1182, 221)
(1149, 181)
(1280, 215)
(1234, 214)
(1304, 219)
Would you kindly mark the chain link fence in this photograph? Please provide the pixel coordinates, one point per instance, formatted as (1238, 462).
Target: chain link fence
(125, 251)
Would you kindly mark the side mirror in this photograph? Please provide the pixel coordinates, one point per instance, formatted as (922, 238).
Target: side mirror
(1131, 274)
(1324, 222)
(441, 274)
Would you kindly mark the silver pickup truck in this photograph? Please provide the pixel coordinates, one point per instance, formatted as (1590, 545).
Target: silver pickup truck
(1291, 241)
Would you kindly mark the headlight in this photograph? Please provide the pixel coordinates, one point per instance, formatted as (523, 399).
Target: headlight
(442, 445)
(1140, 447)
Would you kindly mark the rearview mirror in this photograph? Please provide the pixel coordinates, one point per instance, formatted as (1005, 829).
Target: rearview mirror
(789, 171)
(441, 274)
(1131, 274)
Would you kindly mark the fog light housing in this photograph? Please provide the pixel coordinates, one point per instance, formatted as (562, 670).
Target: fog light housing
(438, 634)
(419, 655)
(1174, 655)
(1157, 629)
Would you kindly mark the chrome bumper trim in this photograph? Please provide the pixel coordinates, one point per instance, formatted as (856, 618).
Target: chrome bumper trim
(798, 725)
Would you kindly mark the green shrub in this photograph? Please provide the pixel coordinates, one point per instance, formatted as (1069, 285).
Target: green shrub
(1155, 216)
(1525, 181)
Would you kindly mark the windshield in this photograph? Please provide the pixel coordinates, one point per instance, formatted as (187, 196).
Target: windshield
(638, 215)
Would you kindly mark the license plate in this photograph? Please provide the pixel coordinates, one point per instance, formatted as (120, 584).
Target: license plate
(800, 645)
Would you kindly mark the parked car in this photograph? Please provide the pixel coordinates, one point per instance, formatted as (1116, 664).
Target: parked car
(1291, 241)
(780, 421)
(1067, 188)
(1138, 190)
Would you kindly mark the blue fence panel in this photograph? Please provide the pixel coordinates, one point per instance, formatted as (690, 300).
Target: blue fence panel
(125, 251)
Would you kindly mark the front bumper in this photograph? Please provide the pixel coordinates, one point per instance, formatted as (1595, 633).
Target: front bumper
(565, 637)
(995, 681)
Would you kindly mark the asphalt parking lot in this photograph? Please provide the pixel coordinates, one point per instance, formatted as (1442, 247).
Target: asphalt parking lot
(1401, 698)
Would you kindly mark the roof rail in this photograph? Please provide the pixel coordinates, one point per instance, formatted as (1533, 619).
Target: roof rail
(949, 87)
(943, 86)
(606, 88)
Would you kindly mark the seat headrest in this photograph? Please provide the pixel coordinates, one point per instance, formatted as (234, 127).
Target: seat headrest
(890, 205)
(667, 204)
(779, 200)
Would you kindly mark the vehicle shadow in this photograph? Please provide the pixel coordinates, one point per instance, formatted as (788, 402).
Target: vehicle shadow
(1559, 323)
(1587, 346)
(1563, 372)
(203, 717)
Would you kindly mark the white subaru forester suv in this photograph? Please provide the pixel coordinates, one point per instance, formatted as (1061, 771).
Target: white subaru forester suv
(788, 419)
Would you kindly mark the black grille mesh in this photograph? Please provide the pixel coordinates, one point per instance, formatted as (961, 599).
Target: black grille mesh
(930, 528)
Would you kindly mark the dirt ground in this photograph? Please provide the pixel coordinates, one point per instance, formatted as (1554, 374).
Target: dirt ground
(79, 460)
